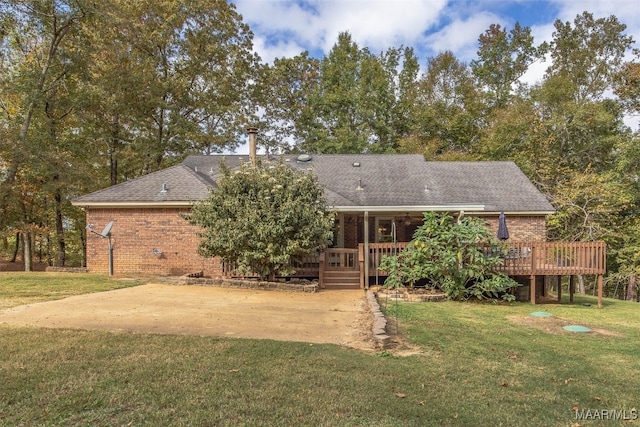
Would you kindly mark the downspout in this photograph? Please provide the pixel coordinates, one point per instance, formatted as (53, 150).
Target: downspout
(366, 249)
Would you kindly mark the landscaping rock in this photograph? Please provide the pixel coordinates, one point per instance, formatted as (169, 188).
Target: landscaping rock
(310, 287)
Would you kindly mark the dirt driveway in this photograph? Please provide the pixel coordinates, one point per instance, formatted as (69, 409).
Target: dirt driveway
(338, 317)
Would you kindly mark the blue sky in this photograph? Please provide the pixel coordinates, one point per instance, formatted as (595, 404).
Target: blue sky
(285, 28)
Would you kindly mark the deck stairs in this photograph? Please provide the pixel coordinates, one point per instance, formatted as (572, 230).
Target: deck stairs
(342, 279)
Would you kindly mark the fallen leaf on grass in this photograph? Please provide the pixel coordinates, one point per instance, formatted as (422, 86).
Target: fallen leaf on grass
(421, 403)
(234, 370)
(401, 395)
(568, 380)
(455, 415)
(504, 384)
(599, 399)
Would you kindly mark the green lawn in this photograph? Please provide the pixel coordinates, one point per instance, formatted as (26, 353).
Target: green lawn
(27, 288)
(478, 365)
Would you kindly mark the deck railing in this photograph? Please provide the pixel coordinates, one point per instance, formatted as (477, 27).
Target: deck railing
(555, 258)
(520, 259)
(525, 258)
(303, 267)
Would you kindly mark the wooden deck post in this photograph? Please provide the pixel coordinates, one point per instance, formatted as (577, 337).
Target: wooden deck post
(559, 288)
(532, 289)
(366, 250)
(363, 283)
(600, 283)
(572, 288)
(321, 270)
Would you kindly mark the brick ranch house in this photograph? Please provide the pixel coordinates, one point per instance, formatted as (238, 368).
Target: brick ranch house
(379, 200)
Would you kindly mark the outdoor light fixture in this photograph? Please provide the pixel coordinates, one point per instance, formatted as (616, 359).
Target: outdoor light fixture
(106, 233)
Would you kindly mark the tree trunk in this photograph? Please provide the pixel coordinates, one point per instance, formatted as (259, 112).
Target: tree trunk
(60, 230)
(581, 287)
(83, 241)
(26, 246)
(114, 149)
(16, 249)
(632, 288)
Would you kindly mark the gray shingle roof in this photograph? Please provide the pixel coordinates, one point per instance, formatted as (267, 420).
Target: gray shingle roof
(182, 184)
(356, 181)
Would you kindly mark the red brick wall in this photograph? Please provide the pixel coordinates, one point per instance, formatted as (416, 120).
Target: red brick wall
(351, 224)
(522, 228)
(136, 233)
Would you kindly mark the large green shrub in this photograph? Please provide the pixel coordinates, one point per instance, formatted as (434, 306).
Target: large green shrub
(261, 217)
(458, 257)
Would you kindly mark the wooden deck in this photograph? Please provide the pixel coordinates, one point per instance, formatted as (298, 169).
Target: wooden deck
(555, 258)
(530, 259)
(341, 268)
(527, 258)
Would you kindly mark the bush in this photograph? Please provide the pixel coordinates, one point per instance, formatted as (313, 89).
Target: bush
(262, 217)
(459, 257)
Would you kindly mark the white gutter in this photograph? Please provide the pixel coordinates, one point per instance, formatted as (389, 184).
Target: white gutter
(433, 208)
(171, 204)
(515, 213)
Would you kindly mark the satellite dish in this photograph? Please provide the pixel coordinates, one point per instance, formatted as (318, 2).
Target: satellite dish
(107, 230)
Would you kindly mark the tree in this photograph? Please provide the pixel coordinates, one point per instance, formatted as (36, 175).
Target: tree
(357, 105)
(166, 79)
(588, 54)
(261, 217)
(591, 207)
(502, 59)
(285, 89)
(627, 85)
(92, 93)
(448, 108)
(38, 52)
(459, 257)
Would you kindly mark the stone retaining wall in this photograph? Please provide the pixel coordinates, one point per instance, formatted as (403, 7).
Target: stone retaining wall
(310, 287)
(379, 331)
(66, 269)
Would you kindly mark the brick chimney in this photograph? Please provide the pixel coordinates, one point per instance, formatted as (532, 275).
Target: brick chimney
(252, 131)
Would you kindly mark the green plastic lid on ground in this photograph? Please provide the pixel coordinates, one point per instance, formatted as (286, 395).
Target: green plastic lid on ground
(576, 328)
(541, 314)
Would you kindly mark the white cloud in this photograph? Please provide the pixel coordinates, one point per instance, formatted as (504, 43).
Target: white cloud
(281, 27)
(288, 27)
(379, 24)
(461, 35)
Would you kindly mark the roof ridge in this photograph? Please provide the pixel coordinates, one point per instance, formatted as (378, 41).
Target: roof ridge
(196, 174)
